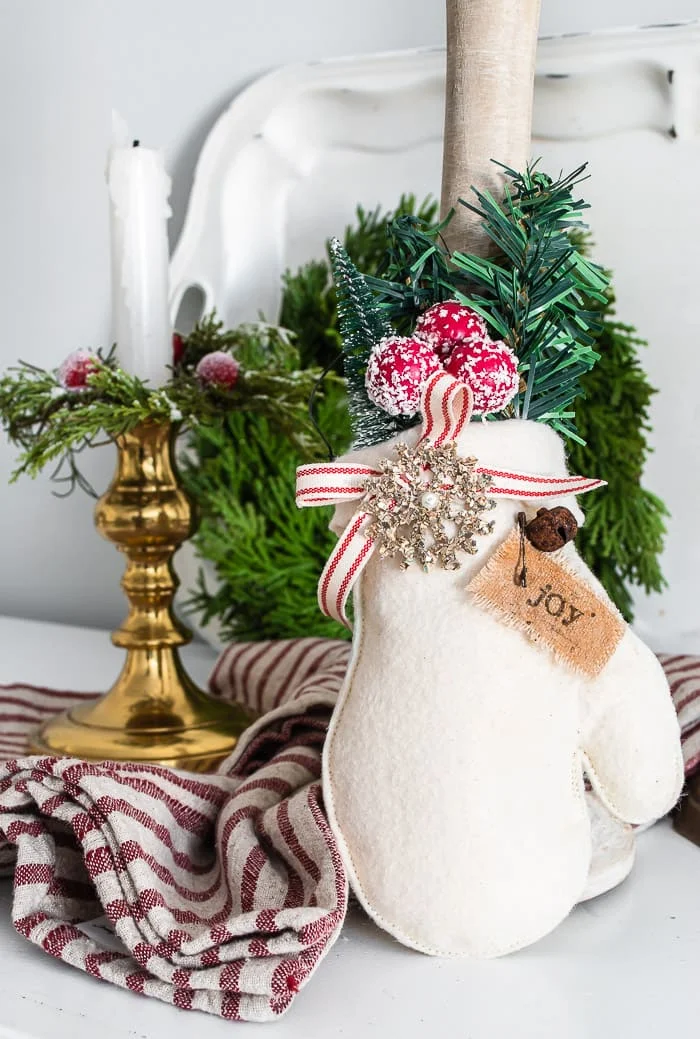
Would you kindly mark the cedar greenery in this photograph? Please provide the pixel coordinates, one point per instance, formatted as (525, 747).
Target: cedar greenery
(267, 554)
(623, 535)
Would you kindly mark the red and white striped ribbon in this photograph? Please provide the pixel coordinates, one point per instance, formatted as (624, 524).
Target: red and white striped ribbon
(446, 406)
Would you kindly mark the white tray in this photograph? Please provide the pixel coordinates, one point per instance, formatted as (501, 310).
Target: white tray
(286, 164)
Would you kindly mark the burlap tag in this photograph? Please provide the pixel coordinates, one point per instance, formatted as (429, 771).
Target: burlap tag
(556, 607)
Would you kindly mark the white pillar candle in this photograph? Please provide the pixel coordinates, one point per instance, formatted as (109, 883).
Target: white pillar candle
(139, 189)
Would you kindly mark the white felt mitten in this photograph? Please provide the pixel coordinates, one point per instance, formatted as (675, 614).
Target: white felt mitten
(453, 770)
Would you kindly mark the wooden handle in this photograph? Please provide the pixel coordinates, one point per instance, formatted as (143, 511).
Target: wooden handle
(491, 48)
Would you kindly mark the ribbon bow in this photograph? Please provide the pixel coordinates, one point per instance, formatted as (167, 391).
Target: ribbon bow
(446, 406)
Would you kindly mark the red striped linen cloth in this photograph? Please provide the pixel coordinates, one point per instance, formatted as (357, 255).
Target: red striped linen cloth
(683, 674)
(219, 893)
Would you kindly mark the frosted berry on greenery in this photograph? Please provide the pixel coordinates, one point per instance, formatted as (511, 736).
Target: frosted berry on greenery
(446, 324)
(73, 373)
(218, 369)
(178, 348)
(397, 368)
(490, 369)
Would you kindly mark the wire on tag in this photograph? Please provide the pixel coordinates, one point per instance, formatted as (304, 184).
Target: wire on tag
(521, 568)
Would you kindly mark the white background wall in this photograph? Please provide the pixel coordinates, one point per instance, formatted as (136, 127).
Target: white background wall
(170, 66)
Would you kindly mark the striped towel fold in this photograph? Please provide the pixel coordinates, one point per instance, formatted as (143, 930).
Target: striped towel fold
(219, 893)
(683, 674)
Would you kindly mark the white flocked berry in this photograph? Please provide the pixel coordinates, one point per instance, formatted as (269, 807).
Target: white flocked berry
(73, 373)
(447, 324)
(490, 369)
(218, 369)
(397, 368)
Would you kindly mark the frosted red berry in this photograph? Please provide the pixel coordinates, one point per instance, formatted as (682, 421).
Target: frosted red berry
(178, 348)
(490, 369)
(73, 373)
(397, 368)
(218, 369)
(446, 324)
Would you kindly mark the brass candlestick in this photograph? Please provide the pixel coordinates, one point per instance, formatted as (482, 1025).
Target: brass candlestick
(154, 712)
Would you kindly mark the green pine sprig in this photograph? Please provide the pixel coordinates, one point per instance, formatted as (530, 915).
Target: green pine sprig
(52, 425)
(414, 271)
(536, 293)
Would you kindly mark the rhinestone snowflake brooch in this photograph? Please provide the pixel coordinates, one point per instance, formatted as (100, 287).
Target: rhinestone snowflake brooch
(427, 504)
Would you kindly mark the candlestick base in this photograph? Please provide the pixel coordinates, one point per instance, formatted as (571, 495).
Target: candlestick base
(154, 713)
(135, 721)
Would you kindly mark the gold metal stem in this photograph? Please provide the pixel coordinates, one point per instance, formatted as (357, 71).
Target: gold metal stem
(154, 712)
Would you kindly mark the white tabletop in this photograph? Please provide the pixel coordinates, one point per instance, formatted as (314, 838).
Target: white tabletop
(623, 965)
